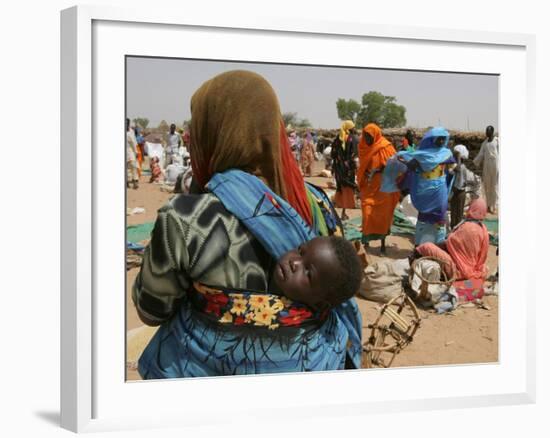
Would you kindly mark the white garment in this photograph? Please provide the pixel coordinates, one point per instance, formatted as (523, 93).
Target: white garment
(131, 146)
(131, 157)
(173, 144)
(183, 152)
(464, 178)
(186, 180)
(462, 151)
(172, 172)
(174, 140)
(431, 271)
(488, 157)
(407, 208)
(155, 150)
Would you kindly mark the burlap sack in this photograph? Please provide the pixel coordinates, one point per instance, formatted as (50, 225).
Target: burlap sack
(382, 281)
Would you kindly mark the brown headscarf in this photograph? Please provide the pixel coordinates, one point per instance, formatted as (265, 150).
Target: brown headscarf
(236, 124)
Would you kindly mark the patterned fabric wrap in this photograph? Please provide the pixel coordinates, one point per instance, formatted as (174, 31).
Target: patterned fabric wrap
(192, 345)
(242, 307)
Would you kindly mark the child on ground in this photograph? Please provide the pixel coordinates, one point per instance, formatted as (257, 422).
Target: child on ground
(322, 273)
(156, 171)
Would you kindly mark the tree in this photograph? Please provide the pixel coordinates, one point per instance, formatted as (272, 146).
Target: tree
(348, 109)
(163, 126)
(303, 123)
(374, 108)
(141, 121)
(293, 120)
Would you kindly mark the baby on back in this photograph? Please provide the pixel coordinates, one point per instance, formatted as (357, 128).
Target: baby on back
(322, 273)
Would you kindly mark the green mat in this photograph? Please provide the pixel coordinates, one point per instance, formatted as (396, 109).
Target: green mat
(401, 225)
(137, 233)
(492, 227)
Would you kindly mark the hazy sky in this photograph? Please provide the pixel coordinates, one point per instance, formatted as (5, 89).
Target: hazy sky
(162, 88)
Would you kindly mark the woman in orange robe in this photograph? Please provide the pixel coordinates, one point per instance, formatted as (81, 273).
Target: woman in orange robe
(377, 207)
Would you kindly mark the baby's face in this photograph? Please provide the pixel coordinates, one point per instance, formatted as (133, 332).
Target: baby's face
(303, 273)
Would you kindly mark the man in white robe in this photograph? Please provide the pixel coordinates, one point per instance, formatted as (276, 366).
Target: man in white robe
(488, 158)
(132, 177)
(173, 143)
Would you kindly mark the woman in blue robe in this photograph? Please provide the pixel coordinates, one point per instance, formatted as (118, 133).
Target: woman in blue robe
(428, 182)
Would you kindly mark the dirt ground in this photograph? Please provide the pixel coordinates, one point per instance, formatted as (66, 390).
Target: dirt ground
(468, 334)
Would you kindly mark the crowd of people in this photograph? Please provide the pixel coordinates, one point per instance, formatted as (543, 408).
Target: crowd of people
(248, 269)
(168, 158)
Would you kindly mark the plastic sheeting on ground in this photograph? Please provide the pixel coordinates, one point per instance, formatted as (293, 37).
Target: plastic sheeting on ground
(403, 226)
(138, 233)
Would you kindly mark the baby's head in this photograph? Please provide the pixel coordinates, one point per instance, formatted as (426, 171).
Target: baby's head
(321, 273)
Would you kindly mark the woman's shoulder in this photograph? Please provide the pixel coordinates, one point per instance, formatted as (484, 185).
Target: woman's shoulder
(187, 203)
(198, 210)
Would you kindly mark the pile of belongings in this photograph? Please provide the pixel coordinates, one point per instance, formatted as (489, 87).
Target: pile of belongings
(387, 279)
(134, 255)
(425, 282)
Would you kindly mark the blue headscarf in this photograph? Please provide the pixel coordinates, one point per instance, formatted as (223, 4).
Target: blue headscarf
(428, 141)
(428, 154)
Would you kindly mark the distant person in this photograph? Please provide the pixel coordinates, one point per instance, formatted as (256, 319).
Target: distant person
(173, 144)
(315, 139)
(140, 148)
(376, 206)
(355, 145)
(343, 168)
(463, 178)
(132, 178)
(293, 141)
(186, 137)
(308, 155)
(156, 171)
(488, 158)
(410, 139)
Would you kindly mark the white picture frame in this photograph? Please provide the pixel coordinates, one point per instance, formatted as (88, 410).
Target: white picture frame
(93, 39)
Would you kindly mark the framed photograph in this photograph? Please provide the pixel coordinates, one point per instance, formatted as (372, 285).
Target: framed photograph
(144, 67)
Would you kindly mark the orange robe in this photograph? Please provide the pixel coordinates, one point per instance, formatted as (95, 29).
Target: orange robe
(377, 207)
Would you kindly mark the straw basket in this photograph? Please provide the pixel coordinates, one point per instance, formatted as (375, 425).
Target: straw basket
(424, 292)
(392, 331)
